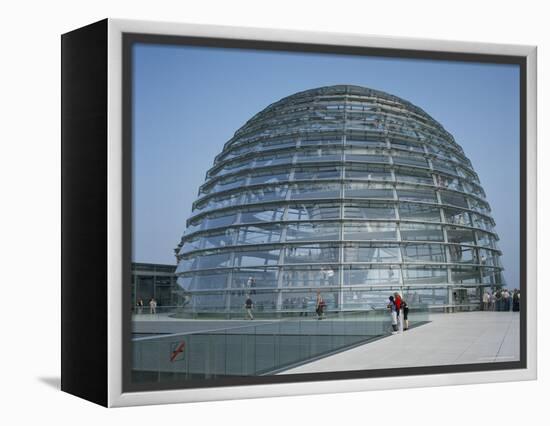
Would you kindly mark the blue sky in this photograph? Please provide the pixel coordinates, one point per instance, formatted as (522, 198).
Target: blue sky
(188, 101)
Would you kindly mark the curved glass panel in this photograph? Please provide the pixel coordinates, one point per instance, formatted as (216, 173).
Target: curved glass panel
(313, 276)
(414, 275)
(370, 231)
(368, 172)
(313, 253)
(256, 258)
(250, 279)
(370, 253)
(315, 211)
(424, 253)
(425, 195)
(262, 214)
(368, 190)
(312, 231)
(369, 210)
(382, 276)
(256, 234)
(421, 232)
(419, 212)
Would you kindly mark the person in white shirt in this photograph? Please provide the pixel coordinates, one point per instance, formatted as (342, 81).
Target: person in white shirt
(506, 296)
(486, 299)
(153, 306)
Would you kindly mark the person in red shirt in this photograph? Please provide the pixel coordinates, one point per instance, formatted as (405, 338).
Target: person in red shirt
(398, 306)
(398, 302)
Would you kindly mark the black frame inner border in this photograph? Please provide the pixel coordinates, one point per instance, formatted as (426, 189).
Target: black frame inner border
(130, 39)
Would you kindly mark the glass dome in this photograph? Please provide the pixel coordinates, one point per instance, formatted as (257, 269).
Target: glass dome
(343, 189)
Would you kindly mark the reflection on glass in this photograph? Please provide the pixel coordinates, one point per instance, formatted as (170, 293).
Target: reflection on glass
(256, 258)
(314, 276)
(314, 191)
(373, 276)
(312, 253)
(419, 212)
(312, 231)
(216, 260)
(365, 253)
(218, 239)
(421, 232)
(425, 253)
(263, 214)
(317, 173)
(426, 275)
(268, 177)
(320, 154)
(317, 211)
(414, 176)
(454, 199)
(248, 280)
(457, 216)
(370, 231)
(425, 195)
(255, 234)
(366, 155)
(367, 190)
(412, 160)
(369, 210)
(219, 221)
(460, 235)
(368, 172)
(269, 193)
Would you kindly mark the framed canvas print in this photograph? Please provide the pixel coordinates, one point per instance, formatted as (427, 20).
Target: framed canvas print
(251, 212)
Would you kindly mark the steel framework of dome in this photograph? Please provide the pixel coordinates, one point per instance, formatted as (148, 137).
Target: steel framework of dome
(342, 189)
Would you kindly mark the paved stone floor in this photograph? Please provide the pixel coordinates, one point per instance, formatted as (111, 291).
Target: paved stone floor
(458, 338)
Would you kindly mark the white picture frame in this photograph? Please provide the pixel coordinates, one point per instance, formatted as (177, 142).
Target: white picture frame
(114, 334)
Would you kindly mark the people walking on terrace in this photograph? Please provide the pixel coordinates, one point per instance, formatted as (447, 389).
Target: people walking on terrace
(139, 306)
(319, 305)
(393, 311)
(515, 300)
(248, 305)
(405, 307)
(486, 299)
(498, 300)
(398, 300)
(492, 301)
(506, 297)
(152, 306)
(251, 284)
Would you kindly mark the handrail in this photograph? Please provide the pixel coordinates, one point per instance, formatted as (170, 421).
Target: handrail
(259, 323)
(140, 339)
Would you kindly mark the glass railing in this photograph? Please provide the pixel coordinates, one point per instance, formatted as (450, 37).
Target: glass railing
(146, 311)
(262, 348)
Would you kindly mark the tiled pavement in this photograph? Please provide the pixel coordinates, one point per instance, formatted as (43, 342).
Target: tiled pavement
(457, 338)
